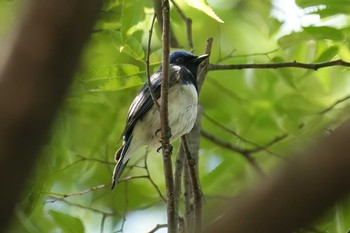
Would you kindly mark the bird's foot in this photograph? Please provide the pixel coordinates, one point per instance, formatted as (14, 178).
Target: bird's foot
(170, 149)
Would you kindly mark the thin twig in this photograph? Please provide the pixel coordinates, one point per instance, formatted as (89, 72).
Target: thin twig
(188, 22)
(230, 55)
(149, 83)
(269, 144)
(158, 227)
(61, 196)
(334, 104)
(204, 68)
(258, 147)
(109, 214)
(152, 181)
(295, 64)
(191, 165)
(164, 121)
(245, 153)
(94, 160)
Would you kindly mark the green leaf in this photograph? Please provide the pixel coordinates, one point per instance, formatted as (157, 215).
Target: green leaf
(110, 77)
(311, 33)
(128, 45)
(67, 222)
(203, 6)
(321, 33)
(328, 54)
(325, 8)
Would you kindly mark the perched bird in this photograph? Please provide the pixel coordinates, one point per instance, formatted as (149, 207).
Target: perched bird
(143, 122)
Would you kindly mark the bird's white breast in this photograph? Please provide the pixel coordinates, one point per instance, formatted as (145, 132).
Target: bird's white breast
(182, 104)
(182, 113)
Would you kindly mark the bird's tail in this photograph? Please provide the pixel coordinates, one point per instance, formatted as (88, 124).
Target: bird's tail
(120, 166)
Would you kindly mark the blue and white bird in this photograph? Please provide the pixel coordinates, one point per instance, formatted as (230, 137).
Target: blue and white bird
(143, 120)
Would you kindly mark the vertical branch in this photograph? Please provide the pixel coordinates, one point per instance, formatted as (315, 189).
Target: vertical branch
(204, 68)
(157, 4)
(165, 129)
(188, 195)
(149, 83)
(179, 165)
(197, 193)
(191, 149)
(188, 22)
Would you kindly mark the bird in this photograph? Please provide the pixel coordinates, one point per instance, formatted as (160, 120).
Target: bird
(143, 120)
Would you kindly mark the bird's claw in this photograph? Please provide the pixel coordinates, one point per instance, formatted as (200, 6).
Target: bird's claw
(170, 149)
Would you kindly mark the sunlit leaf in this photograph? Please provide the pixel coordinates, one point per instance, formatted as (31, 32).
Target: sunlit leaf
(328, 54)
(203, 6)
(311, 33)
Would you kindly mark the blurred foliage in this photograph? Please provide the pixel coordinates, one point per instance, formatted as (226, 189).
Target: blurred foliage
(259, 105)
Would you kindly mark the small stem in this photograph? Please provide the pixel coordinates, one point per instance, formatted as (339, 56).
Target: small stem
(149, 83)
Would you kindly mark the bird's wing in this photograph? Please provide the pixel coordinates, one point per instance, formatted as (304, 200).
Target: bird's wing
(143, 101)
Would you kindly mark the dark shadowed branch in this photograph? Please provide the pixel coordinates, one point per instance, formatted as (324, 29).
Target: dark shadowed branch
(295, 64)
(35, 71)
(278, 203)
(158, 227)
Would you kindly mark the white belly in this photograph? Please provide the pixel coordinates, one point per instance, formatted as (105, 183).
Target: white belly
(182, 107)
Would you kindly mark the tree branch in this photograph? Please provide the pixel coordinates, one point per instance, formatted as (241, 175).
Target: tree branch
(191, 166)
(334, 104)
(321, 170)
(295, 64)
(158, 227)
(157, 4)
(164, 121)
(257, 146)
(245, 153)
(179, 165)
(188, 22)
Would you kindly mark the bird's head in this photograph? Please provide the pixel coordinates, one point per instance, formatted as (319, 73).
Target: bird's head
(188, 60)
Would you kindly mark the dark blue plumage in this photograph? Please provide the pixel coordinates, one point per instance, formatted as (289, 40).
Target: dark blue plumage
(143, 118)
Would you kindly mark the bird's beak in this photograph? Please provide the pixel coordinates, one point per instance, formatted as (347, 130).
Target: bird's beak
(201, 58)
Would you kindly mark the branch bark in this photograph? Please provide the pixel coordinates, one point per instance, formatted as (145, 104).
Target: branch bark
(157, 4)
(295, 64)
(296, 194)
(165, 129)
(36, 69)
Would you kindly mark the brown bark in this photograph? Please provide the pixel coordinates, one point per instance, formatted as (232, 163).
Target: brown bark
(35, 71)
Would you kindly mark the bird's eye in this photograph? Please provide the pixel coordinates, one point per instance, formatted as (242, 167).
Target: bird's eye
(180, 60)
